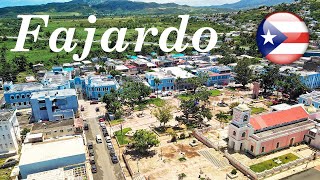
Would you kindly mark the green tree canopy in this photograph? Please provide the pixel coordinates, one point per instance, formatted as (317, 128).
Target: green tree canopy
(143, 140)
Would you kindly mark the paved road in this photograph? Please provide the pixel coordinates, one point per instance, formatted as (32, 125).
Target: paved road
(311, 174)
(106, 170)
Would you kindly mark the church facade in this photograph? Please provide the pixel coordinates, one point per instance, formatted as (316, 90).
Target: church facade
(265, 133)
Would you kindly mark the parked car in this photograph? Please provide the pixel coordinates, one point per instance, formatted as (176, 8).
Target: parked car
(109, 145)
(9, 163)
(105, 133)
(94, 102)
(108, 139)
(114, 159)
(86, 126)
(90, 145)
(93, 168)
(91, 159)
(152, 96)
(101, 120)
(91, 152)
(112, 152)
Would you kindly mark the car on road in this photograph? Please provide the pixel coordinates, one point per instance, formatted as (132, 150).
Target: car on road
(86, 126)
(93, 168)
(152, 96)
(108, 139)
(112, 152)
(114, 159)
(94, 102)
(91, 159)
(101, 120)
(90, 145)
(91, 152)
(105, 133)
(98, 139)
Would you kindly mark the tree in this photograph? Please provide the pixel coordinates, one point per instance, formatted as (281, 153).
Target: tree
(133, 92)
(178, 82)
(113, 103)
(21, 63)
(269, 78)
(244, 73)
(144, 140)
(157, 82)
(198, 81)
(114, 73)
(290, 84)
(163, 114)
(222, 117)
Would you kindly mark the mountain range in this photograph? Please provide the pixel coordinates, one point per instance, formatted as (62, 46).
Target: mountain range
(122, 7)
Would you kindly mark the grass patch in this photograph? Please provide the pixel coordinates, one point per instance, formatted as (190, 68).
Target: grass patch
(5, 173)
(122, 138)
(215, 92)
(269, 164)
(257, 110)
(116, 122)
(155, 101)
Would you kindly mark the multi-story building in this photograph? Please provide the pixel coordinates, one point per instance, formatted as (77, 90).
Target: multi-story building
(97, 86)
(54, 105)
(310, 99)
(9, 132)
(17, 96)
(218, 75)
(310, 79)
(167, 82)
(265, 133)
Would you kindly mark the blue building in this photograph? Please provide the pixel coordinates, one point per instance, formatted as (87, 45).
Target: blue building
(310, 79)
(17, 96)
(167, 81)
(54, 105)
(218, 75)
(309, 99)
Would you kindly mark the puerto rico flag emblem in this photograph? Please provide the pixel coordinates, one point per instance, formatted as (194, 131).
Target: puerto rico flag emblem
(282, 37)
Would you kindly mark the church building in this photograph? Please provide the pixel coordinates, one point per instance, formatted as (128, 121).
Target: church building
(265, 133)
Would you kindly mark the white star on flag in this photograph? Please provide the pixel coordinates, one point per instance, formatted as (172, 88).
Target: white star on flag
(268, 37)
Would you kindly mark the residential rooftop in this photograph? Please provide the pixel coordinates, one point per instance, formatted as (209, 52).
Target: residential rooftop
(53, 93)
(5, 115)
(176, 72)
(52, 124)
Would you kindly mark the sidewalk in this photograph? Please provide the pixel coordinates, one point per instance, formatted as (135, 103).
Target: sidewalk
(295, 170)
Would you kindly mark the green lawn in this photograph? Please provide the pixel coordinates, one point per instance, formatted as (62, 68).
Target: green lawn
(269, 164)
(215, 92)
(155, 101)
(185, 96)
(116, 122)
(122, 138)
(257, 110)
(4, 173)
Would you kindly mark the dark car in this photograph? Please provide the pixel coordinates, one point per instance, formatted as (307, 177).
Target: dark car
(9, 163)
(93, 168)
(94, 102)
(90, 145)
(86, 126)
(105, 133)
(18, 113)
(114, 159)
(91, 152)
(112, 152)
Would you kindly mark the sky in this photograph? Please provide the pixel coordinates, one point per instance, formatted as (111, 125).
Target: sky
(5, 3)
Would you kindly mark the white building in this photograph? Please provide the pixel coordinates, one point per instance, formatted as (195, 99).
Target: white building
(9, 132)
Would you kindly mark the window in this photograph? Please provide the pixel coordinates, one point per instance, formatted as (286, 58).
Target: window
(6, 145)
(234, 133)
(61, 130)
(11, 145)
(9, 137)
(245, 118)
(12, 97)
(0, 128)
(262, 150)
(25, 103)
(28, 95)
(23, 96)
(6, 127)
(243, 134)
(43, 108)
(18, 96)
(251, 149)
(3, 137)
(278, 144)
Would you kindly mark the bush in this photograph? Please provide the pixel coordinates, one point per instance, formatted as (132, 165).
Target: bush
(234, 171)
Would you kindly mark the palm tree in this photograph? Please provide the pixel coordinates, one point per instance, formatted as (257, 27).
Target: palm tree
(221, 117)
(178, 82)
(157, 82)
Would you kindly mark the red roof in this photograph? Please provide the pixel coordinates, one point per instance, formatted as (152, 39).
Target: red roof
(131, 66)
(278, 117)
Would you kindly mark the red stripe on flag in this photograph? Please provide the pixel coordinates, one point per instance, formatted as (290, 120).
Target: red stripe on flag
(296, 37)
(283, 58)
(283, 16)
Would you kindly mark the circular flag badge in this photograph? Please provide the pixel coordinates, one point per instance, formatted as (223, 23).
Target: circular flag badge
(282, 37)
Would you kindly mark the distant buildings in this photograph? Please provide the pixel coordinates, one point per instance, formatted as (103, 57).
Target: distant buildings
(54, 105)
(9, 132)
(167, 81)
(218, 75)
(51, 154)
(261, 134)
(310, 99)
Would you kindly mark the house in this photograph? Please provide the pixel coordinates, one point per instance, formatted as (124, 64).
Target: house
(51, 154)
(97, 86)
(166, 81)
(266, 133)
(54, 105)
(9, 132)
(218, 75)
(310, 99)
(310, 79)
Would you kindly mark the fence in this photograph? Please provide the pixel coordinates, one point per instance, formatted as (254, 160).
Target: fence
(253, 175)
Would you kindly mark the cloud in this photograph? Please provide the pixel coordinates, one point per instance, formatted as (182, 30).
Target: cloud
(192, 2)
